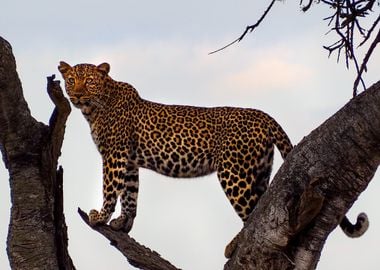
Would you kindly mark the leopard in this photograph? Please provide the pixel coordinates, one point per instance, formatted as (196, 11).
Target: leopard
(179, 141)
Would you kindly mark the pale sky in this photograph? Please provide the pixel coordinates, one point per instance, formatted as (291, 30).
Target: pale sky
(161, 47)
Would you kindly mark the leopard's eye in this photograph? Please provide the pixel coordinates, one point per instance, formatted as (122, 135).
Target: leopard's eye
(70, 80)
(89, 80)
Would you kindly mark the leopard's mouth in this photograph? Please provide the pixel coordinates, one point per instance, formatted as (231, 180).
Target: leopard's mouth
(80, 101)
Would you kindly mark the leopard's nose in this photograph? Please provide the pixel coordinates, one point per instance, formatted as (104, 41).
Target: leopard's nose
(78, 95)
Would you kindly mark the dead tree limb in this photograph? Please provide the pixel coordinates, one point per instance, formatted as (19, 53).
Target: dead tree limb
(137, 254)
(346, 22)
(248, 29)
(30, 152)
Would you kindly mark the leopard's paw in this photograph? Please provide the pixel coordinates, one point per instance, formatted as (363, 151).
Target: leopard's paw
(122, 222)
(96, 218)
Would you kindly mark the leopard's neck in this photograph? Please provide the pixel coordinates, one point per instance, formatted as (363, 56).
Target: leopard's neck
(115, 96)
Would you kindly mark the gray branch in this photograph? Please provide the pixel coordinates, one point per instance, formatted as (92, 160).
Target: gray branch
(137, 254)
(30, 152)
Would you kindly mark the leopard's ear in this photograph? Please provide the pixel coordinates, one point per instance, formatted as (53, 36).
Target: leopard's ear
(64, 67)
(104, 67)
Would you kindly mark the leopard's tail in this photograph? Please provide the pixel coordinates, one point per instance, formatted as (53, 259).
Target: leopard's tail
(357, 229)
(282, 141)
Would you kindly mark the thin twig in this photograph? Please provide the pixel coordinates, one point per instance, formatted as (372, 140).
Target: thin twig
(307, 6)
(363, 66)
(370, 31)
(249, 29)
(347, 26)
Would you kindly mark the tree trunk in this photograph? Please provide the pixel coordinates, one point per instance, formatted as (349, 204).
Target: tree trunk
(37, 236)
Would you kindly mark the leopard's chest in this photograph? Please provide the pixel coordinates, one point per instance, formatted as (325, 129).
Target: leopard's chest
(95, 134)
(109, 134)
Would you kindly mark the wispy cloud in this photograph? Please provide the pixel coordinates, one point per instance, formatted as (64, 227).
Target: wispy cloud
(270, 71)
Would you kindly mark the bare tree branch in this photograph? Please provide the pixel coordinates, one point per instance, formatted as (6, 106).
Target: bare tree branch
(366, 58)
(347, 16)
(307, 6)
(137, 254)
(30, 152)
(249, 29)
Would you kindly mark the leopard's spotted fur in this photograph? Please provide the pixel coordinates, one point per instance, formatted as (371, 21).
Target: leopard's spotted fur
(178, 141)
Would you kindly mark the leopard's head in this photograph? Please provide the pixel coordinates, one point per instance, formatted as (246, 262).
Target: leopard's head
(85, 83)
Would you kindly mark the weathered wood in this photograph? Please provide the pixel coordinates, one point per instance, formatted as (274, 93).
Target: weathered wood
(37, 237)
(137, 254)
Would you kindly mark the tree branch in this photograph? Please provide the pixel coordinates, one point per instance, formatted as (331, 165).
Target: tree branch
(249, 29)
(30, 151)
(347, 16)
(366, 58)
(137, 254)
(59, 116)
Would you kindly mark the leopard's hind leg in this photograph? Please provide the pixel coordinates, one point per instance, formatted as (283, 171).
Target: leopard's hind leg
(244, 176)
(244, 180)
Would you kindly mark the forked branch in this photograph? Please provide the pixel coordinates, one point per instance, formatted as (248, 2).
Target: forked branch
(347, 24)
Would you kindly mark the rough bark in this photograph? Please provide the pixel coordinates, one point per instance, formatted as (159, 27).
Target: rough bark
(319, 181)
(137, 254)
(37, 236)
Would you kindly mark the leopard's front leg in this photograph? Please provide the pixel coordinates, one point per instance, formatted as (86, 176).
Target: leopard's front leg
(128, 200)
(114, 171)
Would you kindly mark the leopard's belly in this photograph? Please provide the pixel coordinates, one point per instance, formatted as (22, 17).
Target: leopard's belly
(177, 161)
